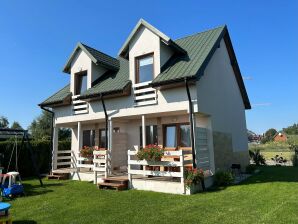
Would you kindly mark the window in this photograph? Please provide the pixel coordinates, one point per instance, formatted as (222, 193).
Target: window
(185, 136)
(102, 138)
(80, 82)
(170, 136)
(151, 135)
(116, 130)
(89, 138)
(177, 135)
(144, 68)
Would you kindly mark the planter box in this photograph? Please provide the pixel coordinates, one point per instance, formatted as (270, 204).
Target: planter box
(193, 189)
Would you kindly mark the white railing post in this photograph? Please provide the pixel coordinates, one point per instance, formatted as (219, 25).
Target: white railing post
(94, 168)
(128, 170)
(106, 164)
(182, 170)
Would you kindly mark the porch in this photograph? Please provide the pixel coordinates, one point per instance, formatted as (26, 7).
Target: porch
(125, 136)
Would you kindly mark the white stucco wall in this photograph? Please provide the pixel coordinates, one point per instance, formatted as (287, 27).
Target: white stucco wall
(145, 42)
(219, 95)
(142, 43)
(81, 62)
(165, 53)
(96, 72)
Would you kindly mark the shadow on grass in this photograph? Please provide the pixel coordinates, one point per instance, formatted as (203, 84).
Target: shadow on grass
(267, 174)
(33, 189)
(24, 222)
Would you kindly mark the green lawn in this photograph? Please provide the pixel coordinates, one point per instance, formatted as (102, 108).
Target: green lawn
(268, 197)
(285, 155)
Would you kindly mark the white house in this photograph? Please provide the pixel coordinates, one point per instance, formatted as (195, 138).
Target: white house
(186, 95)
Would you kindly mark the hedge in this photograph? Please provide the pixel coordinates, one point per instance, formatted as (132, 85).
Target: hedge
(41, 149)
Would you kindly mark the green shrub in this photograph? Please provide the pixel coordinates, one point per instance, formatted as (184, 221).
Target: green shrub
(223, 178)
(41, 149)
(295, 159)
(257, 157)
(250, 168)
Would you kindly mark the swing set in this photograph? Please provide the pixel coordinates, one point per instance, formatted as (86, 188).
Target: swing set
(10, 183)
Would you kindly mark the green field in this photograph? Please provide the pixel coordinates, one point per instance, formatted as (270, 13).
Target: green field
(268, 197)
(286, 155)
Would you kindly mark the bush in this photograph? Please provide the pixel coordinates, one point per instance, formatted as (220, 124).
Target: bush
(295, 159)
(41, 149)
(193, 176)
(257, 157)
(250, 168)
(223, 178)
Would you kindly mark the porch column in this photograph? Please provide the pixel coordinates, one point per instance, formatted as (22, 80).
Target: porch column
(79, 136)
(110, 145)
(55, 147)
(143, 131)
(144, 134)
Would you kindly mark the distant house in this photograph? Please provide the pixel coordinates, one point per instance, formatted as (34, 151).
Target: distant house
(280, 137)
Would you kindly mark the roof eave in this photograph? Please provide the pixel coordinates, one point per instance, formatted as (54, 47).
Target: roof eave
(112, 92)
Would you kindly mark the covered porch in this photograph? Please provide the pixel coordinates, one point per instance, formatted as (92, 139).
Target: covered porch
(123, 138)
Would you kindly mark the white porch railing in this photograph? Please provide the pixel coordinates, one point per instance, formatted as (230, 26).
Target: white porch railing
(144, 94)
(100, 163)
(63, 158)
(136, 170)
(79, 106)
(83, 162)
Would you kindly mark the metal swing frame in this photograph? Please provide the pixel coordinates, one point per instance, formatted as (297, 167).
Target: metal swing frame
(25, 143)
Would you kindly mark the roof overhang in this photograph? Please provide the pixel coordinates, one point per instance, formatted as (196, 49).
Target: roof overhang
(226, 37)
(77, 49)
(126, 91)
(164, 38)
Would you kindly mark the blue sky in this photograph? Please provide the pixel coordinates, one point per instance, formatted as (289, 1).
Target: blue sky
(38, 36)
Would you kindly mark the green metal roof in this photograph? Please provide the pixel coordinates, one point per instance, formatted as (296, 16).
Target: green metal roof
(98, 57)
(58, 97)
(110, 82)
(199, 49)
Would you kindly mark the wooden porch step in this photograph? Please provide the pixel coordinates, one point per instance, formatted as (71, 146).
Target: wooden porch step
(116, 186)
(58, 176)
(116, 180)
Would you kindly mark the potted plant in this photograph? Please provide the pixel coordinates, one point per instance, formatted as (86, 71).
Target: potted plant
(192, 179)
(151, 153)
(87, 152)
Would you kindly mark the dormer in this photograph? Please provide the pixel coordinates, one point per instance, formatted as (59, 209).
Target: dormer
(86, 65)
(147, 50)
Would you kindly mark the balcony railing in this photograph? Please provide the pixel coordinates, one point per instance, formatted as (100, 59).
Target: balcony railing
(144, 94)
(79, 106)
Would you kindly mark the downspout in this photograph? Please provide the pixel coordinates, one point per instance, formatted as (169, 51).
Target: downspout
(106, 120)
(52, 134)
(191, 125)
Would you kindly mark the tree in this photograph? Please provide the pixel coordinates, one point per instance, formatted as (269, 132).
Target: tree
(3, 122)
(16, 125)
(291, 130)
(269, 134)
(40, 128)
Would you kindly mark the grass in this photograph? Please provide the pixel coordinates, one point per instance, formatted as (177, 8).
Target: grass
(285, 155)
(268, 197)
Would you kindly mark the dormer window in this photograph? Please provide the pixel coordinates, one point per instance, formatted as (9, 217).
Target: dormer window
(144, 68)
(80, 82)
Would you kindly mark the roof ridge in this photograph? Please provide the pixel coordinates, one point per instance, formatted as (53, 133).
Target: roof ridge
(85, 45)
(201, 32)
